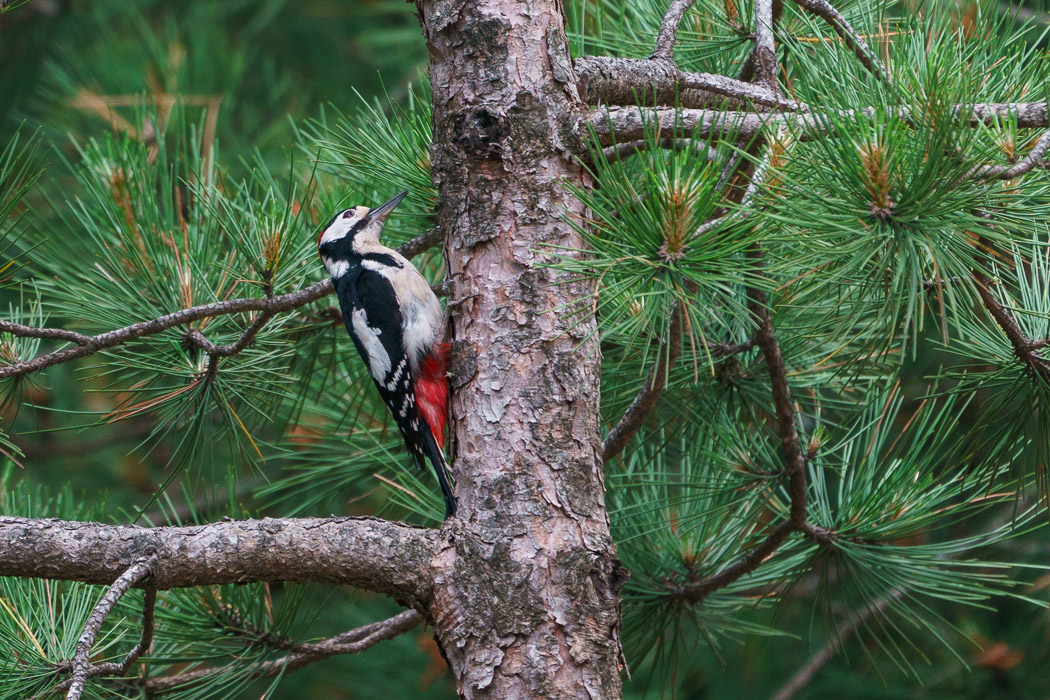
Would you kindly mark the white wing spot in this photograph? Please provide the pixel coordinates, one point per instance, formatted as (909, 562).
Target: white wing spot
(397, 375)
(378, 360)
(336, 268)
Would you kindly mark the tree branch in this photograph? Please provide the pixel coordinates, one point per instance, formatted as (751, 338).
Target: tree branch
(120, 668)
(668, 34)
(861, 50)
(1024, 347)
(23, 331)
(301, 655)
(764, 56)
(646, 399)
(1009, 172)
(852, 622)
(368, 553)
(630, 81)
(268, 306)
(82, 659)
(627, 123)
(795, 457)
(197, 338)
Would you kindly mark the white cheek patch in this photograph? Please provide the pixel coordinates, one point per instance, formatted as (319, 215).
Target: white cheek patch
(336, 231)
(336, 268)
(378, 360)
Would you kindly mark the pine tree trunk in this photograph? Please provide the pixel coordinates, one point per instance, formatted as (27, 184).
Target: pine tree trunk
(526, 588)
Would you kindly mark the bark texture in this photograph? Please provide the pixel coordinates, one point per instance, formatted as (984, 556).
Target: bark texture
(370, 553)
(526, 581)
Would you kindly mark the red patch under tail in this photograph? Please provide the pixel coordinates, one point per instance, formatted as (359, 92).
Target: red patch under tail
(432, 391)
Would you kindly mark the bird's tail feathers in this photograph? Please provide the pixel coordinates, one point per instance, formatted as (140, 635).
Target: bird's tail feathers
(437, 460)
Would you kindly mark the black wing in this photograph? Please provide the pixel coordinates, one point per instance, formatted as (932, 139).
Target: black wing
(373, 319)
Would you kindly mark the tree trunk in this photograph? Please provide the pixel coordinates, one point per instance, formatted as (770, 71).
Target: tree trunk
(526, 582)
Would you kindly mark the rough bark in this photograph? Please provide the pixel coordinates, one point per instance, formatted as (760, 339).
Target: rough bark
(626, 123)
(526, 582)
(374, 554)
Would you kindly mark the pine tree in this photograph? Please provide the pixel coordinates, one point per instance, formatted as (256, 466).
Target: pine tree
(749, 312)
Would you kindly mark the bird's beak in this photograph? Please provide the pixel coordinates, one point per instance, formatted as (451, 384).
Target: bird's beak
(383, 210)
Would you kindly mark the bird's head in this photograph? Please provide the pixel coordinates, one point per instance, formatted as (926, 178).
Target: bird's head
(358, 226)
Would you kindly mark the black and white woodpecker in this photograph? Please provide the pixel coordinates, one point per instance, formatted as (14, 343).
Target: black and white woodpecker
(395, 321)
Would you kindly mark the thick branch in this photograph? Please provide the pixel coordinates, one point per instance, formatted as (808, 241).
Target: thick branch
(665, 40)
(82, 660)
(303, 654)
(646, 399)
(627, 123)
(268, 306)
(630, 81)
(863, 52)
(369, 553)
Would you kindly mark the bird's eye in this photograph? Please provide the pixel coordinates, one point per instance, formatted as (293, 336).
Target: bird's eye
(348, 214)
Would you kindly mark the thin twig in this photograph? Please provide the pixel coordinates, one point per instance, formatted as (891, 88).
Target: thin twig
(824, 10)
(845, 628)
(302, 654)
(82, 658)
(1034, 159)
(22, 331)
(719, 350)
(197, 338)
(665, 40)
(646, 399)
(1024, 347)
(268, 306)
(795, 457)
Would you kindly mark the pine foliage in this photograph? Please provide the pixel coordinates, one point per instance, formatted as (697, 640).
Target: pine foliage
(926, 437)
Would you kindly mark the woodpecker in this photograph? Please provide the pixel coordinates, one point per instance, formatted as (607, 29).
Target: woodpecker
(395, 321)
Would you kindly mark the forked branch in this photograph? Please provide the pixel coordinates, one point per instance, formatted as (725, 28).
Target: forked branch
(1033, 160)
(82, 660)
